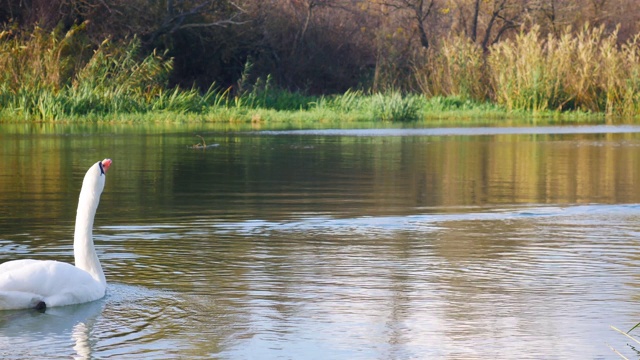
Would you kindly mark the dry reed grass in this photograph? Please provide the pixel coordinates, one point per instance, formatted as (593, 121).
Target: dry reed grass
(457, 68)
(585, 71)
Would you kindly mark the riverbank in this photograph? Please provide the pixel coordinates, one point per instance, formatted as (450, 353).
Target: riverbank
(277, 108)
(49, 77)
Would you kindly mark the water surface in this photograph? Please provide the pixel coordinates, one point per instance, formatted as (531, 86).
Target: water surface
(398, 243)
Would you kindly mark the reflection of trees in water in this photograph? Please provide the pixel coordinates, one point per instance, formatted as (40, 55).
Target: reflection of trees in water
(257, 174)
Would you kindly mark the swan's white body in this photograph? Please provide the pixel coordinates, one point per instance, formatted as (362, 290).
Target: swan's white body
(46, 283)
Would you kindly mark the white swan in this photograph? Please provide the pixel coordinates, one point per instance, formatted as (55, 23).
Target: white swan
(46, 283)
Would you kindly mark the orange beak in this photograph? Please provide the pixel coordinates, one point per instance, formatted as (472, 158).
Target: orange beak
(105, 165)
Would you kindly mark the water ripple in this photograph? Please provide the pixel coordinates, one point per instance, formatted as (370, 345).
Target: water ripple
(414, 286)
(465, 131)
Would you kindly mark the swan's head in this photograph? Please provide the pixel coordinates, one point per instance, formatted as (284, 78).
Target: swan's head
(95, 177)
(104, 165)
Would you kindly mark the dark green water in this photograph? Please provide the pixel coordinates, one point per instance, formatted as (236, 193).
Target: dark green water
(352, 244)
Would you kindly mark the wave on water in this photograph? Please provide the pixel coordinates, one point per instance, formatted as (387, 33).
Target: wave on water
(537, 130)
(421, 222)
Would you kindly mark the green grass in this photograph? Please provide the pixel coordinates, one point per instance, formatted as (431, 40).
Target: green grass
(218, 106)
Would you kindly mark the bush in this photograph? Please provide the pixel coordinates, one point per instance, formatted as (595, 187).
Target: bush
(395, 107)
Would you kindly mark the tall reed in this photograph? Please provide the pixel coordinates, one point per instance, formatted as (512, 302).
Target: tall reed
(519, 72)
(54, 76)
(456, 68)
(585, 70)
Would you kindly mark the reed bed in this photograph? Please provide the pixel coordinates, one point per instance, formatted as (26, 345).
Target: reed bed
(54, 76)
(584, 71)
(457, 68)
(60, 76)
(50, 76)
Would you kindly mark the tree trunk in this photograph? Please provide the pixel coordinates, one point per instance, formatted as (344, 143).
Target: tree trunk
(474, 24)
(424, 41)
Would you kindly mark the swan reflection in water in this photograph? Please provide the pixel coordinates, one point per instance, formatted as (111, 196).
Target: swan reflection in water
(32, 330)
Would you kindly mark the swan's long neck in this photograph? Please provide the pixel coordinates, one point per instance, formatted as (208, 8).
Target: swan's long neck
(83, 248)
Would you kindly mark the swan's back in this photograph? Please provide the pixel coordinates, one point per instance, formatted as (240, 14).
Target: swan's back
(25, 283)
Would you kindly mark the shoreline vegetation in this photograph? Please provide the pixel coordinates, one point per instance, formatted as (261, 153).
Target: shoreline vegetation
(577, 76)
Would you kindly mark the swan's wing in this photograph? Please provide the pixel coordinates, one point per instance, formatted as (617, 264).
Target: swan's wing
(15, 264)
(56, 283)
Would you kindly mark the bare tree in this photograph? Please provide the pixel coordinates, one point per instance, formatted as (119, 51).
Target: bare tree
(419, 10)
(474, 21)
(486, 21)
(185, 14)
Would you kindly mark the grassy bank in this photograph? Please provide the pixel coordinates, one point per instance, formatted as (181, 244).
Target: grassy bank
(56, 77)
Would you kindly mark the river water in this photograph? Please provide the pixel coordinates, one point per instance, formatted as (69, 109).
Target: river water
(398, 243)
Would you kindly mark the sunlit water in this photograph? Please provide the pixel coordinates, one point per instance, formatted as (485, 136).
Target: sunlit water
(369, 244)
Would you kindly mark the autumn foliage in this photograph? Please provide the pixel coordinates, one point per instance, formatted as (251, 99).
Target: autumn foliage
(524, 54)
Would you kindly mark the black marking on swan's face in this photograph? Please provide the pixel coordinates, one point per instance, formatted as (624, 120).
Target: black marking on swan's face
(101, 169)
